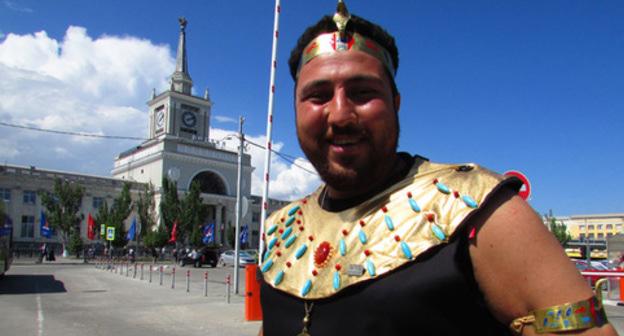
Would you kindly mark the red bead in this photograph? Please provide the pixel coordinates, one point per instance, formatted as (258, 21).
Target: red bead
(362, 223)
(304, 201)
(367, 252)
(397, 238)
(288, 264)
(322, 253)
(435, 181)
(263, 236)
(301, 228)
(409, 194)
(314, 272)
(277, 243)
(280, 230)
(311, 238)
(279, 254)
(345, 232)
(298, 221)
(338, 267)
(282, 219)
(430, 217)
(300, 212)
(384, 209)
(456, 194)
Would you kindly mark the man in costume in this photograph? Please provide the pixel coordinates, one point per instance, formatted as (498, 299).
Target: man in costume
(393, 244)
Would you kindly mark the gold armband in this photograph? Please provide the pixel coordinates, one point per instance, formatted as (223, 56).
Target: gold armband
(580, 315)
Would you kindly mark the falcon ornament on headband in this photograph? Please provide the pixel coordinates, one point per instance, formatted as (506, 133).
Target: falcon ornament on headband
(341, 41)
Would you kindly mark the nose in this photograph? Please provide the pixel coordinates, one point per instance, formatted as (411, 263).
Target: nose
(340, 110)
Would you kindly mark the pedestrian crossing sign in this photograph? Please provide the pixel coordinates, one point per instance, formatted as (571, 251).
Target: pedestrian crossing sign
(110, 233)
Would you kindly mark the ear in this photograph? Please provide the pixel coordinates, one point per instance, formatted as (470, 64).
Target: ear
(397, 102)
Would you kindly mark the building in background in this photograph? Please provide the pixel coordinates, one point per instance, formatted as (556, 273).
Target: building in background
(179, 148)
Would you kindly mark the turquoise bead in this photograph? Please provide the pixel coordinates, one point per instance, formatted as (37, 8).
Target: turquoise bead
(362, 237)
(290, 241)
(278, 278)
(406, 250)
(414, 205)
(301, 251)
(342, 246)
(389, 222)
(443, 188)
(272, 243)
(290, 221)
(272, 230)
(286, 233)
(266, 254)
(267, 265)
(437, 231)
(370, 267)
(306, 288)
(470, 201)
(336, 280)
(293, 210)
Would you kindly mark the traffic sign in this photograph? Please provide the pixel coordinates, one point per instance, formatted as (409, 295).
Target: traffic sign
(110, 233)
(525, 190)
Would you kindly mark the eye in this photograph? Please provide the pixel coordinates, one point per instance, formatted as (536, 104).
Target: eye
(319, 96)
(362, 94)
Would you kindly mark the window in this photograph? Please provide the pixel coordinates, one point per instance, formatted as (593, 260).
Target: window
(591, 227)
(30, 197)
(609, 226)
(5, 194)
(28, 227)
(601, 236)
(582, 236)
(98, 202)
(599, 226)
(591, 236)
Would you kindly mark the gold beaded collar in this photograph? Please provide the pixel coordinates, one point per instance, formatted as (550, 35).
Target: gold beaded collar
(312, 253)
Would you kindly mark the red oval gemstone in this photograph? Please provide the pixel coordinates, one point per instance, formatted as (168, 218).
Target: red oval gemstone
(299, 212)
(322, 253)
(397, 238)
(288, 264)
(430, 217)
(338, 267)
(362, 223)
(409, 194)
(314, 272)
(345, 232)
(456, 194)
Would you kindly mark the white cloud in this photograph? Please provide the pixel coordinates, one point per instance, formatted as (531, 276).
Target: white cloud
(15, 7)
(224, 119)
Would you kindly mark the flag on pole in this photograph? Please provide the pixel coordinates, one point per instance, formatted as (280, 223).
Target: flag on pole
(208, 234)
(90, 227)
(44, 227)
(7, 228)
(132, 232)
(174, 232)
(244, 234)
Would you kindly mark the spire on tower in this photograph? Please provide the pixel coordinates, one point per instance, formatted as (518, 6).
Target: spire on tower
(181, 80)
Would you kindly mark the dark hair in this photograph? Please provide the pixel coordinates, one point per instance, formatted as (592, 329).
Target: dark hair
(355, 24)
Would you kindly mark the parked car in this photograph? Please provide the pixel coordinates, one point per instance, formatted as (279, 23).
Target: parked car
(253, 253)
(244, 258)
(203, 256)
(593, 266)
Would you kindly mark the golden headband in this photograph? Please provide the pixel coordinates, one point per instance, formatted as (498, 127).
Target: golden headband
(341, 41)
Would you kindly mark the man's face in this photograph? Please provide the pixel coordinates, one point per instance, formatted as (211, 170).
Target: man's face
(347, 120)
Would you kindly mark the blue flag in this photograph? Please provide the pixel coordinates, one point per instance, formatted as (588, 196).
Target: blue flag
(44, 227)
(7, 228)
(132, 231)
(244, 234)
(208, 236)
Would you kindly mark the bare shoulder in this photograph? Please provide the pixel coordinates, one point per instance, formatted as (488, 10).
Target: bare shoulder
(518, 263)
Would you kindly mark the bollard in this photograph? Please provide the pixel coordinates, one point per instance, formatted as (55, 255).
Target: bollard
(253, 310)
(134, 271)
(127, 269)
(227, 287)
(161, 275)
(141, 278)
(188, 280)
(206, 283)
(173, 278)
(150, 273)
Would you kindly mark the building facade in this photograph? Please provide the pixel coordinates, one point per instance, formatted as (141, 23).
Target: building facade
(593, 227)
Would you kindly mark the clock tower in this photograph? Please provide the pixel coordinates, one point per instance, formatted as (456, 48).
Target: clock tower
(177, 111)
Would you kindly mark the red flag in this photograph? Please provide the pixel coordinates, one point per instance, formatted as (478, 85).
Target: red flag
(174, 232)
(90, 227)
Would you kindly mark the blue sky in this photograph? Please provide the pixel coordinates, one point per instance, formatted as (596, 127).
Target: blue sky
(535, 86)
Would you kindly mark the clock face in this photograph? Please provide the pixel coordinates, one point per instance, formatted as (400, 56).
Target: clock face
(160, 118)
(189, 119)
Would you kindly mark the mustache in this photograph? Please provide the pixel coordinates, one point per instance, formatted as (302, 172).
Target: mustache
(346, 130)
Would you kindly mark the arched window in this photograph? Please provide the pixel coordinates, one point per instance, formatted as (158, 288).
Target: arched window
(210, 183)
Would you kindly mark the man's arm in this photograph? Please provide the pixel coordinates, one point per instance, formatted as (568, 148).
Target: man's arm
(520, 266)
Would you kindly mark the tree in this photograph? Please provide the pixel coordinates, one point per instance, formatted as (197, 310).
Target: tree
(63, 205)
(119, 211)
(101, 218)
(145, 209)
(75, 243)
(3, 214)
(157, 238)
(192, 216)
(559, 230)
(169, 204)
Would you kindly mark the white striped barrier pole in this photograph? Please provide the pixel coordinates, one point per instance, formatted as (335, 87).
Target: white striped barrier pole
(206, 283)
(173, 278)
(161, 275)
(227, 287)
(141, 278)
(188, 280)
(588, 274)
(150, 273)
(134, 271)
(127, 269)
